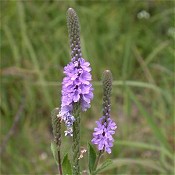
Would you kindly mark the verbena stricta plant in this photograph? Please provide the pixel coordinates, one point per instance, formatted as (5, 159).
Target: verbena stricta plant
(77, 93)
(102, 135)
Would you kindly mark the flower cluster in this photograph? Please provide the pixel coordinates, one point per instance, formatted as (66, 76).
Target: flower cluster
(102, 135)
(76, 87)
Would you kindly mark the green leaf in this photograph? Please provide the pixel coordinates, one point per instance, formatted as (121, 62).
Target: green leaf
(104, 165)
(91, 157)
(54, 151)
(66, 165)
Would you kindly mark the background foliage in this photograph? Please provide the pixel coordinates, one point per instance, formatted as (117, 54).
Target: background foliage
(138, 51)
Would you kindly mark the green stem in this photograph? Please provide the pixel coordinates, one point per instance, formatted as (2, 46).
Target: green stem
(76, 140)
(59, 163)
(97, 160)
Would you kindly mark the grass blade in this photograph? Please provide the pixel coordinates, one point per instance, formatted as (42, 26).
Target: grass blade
(156, 130)
(127, 161)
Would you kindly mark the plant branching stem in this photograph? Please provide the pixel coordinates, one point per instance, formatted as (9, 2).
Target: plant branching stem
(59, 163)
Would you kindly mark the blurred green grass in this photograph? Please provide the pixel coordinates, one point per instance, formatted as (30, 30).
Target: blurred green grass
(140, 54)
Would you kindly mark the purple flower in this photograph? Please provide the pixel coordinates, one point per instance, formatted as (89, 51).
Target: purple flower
(68, 119)
(102, 135)
(76, 87)
(69, 132)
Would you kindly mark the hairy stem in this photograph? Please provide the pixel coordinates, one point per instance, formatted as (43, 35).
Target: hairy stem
(100, 153)
(59, 163)
(76, 140)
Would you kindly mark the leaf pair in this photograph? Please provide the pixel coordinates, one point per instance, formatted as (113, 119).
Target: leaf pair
(66, 165)
(92, 158)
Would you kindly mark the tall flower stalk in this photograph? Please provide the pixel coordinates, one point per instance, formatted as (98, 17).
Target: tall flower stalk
(102, 135)
(56, 126)
(76, 88)
(77, 93)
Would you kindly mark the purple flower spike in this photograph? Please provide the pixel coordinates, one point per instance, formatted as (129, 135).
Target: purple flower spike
(102, 135)
(76, 85)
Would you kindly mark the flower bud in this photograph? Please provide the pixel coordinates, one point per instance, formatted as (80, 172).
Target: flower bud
(74, 33)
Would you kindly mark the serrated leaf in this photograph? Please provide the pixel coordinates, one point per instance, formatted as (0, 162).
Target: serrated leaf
(66, 165)
(104, 165)
(54, 151)
(91, 157)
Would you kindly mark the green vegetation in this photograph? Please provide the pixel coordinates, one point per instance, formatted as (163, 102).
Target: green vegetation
(139, 50)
